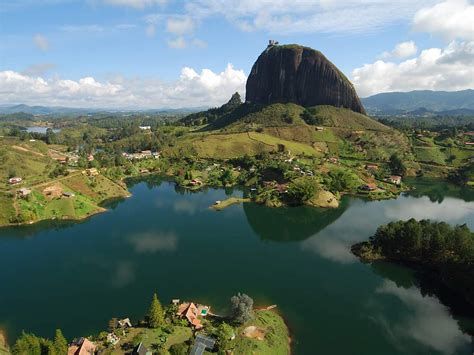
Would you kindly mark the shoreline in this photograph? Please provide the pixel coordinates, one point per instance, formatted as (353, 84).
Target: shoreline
(197, 189)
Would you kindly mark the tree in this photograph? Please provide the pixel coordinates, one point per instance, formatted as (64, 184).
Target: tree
(155, 315)
(397, 165)
(224, 334)
(60, 342)
(242, 308)
(27, 344)
(302, 189)
(179, 349)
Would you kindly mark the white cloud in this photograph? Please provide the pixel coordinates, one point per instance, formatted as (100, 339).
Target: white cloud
(180, 26)
(137, 4)
(206, 88)
(199, 43)
(401, 50)
(41, 42)
(450, 19)
(177, 43)
(309, 16)
(150, 30)
(434, 69)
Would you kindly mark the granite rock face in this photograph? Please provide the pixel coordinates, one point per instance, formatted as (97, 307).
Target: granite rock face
(292, 73)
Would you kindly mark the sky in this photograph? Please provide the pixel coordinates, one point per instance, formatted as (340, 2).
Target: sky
(171, 53)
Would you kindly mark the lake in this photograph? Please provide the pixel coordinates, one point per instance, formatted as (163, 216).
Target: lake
(40, 129)
(76, 276)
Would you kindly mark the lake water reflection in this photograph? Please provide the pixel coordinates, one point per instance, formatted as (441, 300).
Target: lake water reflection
(163, 239)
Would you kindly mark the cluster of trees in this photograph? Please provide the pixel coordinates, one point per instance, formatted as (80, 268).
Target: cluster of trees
(397, 166)
(30, 344)
(425, 242)
(302, 189)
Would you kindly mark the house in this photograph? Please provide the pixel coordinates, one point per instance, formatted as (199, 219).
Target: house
(333, 160)
(272, 42)
(15, 180)
(395, 179)
(90, 157)
(61, 160)
(146, 153)
(144, 171)
(125, 323)
(141, 350)
(319, 128)
(469, 143)
(195, 182)
(92, 172)
(191, 312)
(282, 188)
(371, 167)
(82, 346)
(145, 128)
(23, 192)
(112, 338)
(201, 344)
(68, 194)
(369, 187)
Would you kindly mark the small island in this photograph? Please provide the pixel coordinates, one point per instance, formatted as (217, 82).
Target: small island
(432, 248)
(181, 328)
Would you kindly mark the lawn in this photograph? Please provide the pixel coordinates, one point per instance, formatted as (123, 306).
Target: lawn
(6, 208)
(430, 155)
(225, 146)
(276, 336)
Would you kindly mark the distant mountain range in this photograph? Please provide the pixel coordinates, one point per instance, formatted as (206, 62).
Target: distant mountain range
(413, 103)
(59, 110)
(422, 103)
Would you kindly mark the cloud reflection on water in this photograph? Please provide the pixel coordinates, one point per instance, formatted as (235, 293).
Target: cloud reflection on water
(361, 220)
(451, 210)
(428, 321)
(152, 242)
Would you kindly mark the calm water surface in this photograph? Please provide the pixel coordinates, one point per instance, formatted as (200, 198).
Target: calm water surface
(77, 276)
(40, 129)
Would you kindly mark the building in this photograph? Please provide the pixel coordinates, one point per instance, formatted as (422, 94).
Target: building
(395, 179)
(195, 182)
(192, 312)
(15, 180)
(23, 192)
(90, 157)
(201, 344)
(68, 194)
(125, 323)
(82, 346)
(369, 187)
(333, 160)
(141, 350)
(112, 338)
(91, 172)
(145, 128)
(371, 167)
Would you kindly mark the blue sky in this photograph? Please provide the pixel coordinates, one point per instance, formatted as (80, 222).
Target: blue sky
(131, 53)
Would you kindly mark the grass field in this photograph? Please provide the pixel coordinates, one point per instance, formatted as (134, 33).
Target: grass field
(431, 155)
(345, 118)
(276, 336)
(26, 159)
(225, 146)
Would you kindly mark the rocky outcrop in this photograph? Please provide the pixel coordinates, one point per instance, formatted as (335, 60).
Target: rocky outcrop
(292, 73)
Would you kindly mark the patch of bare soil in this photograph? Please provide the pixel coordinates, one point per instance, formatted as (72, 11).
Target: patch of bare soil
(254, 332)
